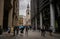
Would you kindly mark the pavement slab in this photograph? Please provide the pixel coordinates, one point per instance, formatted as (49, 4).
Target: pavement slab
(30, 35)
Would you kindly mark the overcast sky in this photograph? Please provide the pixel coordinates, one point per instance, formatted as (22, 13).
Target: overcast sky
(23, 6)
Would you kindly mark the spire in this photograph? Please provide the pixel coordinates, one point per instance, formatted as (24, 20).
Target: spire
(28, 6)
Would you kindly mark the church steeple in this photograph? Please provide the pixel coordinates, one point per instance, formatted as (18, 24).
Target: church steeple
(28, 6)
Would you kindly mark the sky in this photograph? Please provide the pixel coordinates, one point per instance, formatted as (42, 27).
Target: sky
(23, 6)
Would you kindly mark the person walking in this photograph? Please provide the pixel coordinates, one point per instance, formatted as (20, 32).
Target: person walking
(43, 31)
(26, 30)
(9, 29)
(50, 30)
(21, 29)
(39, 29)
(16, 28)
(30, 27)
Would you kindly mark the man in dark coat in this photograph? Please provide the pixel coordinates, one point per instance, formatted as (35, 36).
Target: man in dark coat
(16, 28)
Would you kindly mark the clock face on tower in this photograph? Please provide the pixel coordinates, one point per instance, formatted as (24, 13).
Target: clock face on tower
(28, 13)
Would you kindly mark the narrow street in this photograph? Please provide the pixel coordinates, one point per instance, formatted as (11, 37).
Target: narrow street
(31, 35)
(29, 16)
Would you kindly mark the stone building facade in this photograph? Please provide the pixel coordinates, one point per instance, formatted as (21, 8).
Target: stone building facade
(21, 18)
(28, 16)
(9, 12)
(45, 13)
(24, 20)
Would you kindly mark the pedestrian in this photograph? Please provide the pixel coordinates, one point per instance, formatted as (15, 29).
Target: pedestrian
(30, 27)
(43, 31)
(22, 29)
(16, 29)
(39, 29)
(34, 28)
(26, 30)
(9, 29)
(50, 30)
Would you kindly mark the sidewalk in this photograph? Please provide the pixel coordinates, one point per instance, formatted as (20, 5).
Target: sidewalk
(31, 35)
(37, 35)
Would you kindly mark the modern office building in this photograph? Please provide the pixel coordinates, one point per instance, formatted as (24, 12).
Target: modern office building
(45, 13)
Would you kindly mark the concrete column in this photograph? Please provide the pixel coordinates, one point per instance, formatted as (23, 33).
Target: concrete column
(52, 18)
(1, 12)
(36, 23)
(33, 24)
(10, 18)
(41, 20)
(14, 21)
(58, 10)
